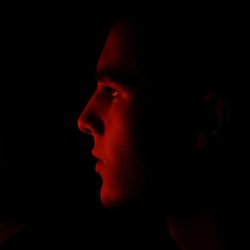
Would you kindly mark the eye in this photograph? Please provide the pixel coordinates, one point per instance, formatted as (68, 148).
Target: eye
(111, 91)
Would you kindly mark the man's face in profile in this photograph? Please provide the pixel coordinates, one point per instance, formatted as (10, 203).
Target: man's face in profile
(113, 118)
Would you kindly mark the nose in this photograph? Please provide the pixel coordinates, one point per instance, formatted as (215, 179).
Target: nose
(89, 121)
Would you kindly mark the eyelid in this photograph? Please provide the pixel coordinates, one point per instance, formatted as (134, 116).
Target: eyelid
(112, 91)
(108, 88)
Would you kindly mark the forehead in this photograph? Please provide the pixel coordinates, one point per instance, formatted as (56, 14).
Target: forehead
(119, 52)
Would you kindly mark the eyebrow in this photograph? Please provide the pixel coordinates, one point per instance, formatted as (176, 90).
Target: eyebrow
(120, 77)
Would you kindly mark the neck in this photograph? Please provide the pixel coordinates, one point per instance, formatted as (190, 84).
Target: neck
(196, 232)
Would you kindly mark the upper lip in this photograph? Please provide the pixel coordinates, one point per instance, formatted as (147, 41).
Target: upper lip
(96, 156)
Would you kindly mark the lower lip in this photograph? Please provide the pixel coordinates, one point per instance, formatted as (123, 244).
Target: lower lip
(99, 166)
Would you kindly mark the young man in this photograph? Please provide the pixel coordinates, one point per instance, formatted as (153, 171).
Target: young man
(160, 121)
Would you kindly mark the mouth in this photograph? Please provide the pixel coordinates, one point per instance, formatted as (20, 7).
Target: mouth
(99, 165)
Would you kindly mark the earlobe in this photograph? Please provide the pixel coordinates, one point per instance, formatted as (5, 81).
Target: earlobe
(214, 118)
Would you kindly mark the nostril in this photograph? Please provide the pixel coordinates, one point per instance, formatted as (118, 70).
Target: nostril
(90, 124)
(86, 131)
(83, 128)
(80, 125)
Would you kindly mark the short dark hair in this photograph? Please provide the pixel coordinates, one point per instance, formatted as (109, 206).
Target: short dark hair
(183, 59)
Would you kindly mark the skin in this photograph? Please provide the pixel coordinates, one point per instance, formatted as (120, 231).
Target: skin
(113, 118)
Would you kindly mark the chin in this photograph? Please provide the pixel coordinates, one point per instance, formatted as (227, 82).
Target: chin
(114, 199)
(111, 199)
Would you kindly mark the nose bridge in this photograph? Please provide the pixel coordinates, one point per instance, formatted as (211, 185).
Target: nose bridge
(90, 121)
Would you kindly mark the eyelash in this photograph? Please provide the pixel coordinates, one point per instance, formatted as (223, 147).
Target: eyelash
(111, 91)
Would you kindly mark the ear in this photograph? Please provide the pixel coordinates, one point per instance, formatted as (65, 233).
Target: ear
(214, 117)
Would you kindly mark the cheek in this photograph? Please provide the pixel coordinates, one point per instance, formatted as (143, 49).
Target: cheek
(122, 135)
(124, 175)
(120, 122)
(124, 155)
(122, 132)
